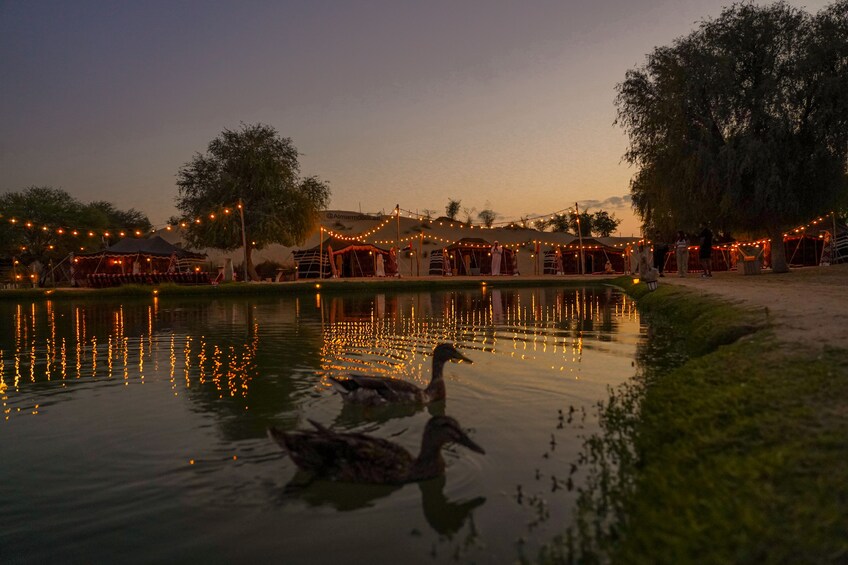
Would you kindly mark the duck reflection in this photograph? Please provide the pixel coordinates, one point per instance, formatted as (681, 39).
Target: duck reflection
(353, 415)
(446, 517)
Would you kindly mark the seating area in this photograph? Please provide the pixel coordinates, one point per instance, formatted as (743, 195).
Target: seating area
(104, 280)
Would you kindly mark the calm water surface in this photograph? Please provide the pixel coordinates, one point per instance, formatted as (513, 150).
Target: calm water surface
(135, 431)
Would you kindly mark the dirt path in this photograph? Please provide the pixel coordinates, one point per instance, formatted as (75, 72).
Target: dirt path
(808, 306)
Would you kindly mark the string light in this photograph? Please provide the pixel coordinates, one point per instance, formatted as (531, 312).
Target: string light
(799, 231)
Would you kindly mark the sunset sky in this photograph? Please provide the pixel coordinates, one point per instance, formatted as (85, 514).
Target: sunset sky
(502, 105)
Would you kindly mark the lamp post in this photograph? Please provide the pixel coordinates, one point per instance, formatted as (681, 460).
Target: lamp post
(243, 236)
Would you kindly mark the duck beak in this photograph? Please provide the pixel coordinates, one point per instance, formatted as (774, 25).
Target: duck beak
(460, 357)
(469, 443)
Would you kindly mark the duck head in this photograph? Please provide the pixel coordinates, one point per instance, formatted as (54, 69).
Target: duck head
(446, 352)
(444, 429)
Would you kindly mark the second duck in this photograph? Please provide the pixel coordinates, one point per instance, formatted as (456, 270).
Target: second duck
(376, 391)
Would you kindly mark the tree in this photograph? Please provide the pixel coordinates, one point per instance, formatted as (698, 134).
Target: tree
(541, 224)
(452, 209)
(581, 223)
(45, 224)
(130, 222)
(743, 123)
(468, 213)
(603, 224)
(487, 216)
(257, 168)
(560, 222)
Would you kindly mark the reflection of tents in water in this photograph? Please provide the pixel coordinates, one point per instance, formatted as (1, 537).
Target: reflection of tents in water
(341, 258)
(469, 256)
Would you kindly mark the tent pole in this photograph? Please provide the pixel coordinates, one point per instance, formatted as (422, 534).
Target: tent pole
(800, 240)
(580, 238)
(397, 239)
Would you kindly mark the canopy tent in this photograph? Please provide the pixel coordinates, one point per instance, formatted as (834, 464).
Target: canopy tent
(137, 260)
(597, 252)
(472, 256)
(343, 258)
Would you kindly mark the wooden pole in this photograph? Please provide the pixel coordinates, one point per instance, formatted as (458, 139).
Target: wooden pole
(243, 236)
(397, 241)
(580, 239)
(420, 251)
(321, 252)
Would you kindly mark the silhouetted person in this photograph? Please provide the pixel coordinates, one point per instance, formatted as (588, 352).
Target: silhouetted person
(681, 249)
(705, 251)
(660, 251)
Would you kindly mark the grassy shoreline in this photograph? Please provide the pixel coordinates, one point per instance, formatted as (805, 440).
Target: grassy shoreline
(734, 453)
(298, 287)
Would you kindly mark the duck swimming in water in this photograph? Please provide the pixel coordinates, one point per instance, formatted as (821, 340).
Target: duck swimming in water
(359, 458)
(376, 391)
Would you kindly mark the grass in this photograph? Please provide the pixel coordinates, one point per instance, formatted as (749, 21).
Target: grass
(299, 287)
(728, 448)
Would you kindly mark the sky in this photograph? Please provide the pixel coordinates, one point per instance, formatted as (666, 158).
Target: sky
(503, 105)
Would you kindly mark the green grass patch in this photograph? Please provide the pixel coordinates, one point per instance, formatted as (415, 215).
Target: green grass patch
(735, 453)
(742, 456)
(328, 286)
(704, 323)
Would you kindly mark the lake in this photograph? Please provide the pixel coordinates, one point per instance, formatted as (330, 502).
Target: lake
(134, 431)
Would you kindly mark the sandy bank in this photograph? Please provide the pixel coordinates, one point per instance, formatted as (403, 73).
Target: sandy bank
(808, 306)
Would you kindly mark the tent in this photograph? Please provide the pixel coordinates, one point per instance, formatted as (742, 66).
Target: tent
(473, 256)
(597, 251)
(136, 260)
(343, 258)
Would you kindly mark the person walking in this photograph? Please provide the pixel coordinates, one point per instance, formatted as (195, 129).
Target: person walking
(705, 251)
(681, 251)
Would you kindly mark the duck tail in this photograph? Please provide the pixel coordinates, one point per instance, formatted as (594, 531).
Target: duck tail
(278, 436)
(318, 426)
(344, 386)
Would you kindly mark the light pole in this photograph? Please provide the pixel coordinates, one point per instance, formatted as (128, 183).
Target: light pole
(243, 237)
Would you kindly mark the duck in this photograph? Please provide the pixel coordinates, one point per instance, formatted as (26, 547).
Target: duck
(377, 391)
(360, 458)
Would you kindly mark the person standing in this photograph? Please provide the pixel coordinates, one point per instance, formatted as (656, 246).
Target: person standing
(497, 255)
(660, 251)
(681, 250)
(380, 271)
(391, 266)
(705, 251)
(645, 270)
(558, 266)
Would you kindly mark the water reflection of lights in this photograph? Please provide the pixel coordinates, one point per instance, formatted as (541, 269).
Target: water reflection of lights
(396, 342)
(388, 335)
(101, 351)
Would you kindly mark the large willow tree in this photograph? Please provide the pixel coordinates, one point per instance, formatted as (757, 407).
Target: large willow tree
(743, 123)
(256, 167)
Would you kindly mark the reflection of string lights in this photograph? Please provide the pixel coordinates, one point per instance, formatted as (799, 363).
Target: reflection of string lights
(376, 345)
(392, 338)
